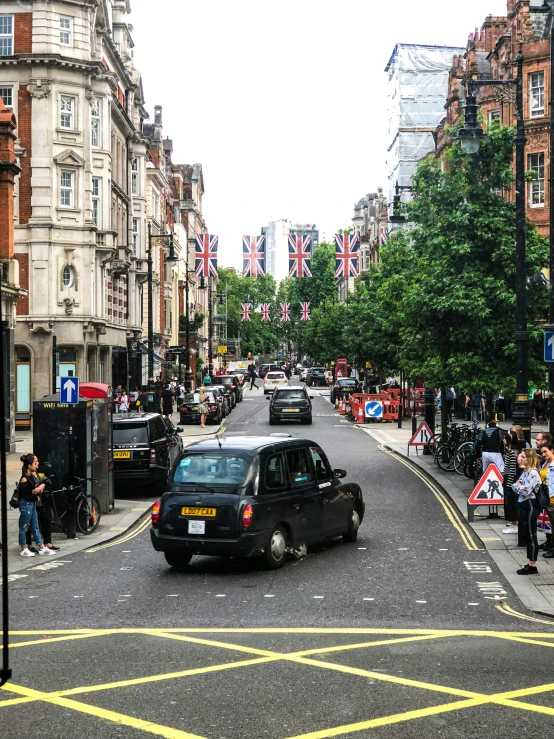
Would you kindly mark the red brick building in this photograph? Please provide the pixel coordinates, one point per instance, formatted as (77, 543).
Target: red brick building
(491, 54)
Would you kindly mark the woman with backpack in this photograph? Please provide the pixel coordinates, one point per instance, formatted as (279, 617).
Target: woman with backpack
(30, 490)
(528, 507)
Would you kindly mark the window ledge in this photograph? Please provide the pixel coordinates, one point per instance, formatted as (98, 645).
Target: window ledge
(73, 131)
(67, 209)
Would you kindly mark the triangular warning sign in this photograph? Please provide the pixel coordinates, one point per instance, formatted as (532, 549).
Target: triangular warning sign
(489, 489)
(422, 436)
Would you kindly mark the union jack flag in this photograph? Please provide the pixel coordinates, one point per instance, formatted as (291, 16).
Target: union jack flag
(299, 256)
(206, 255)
(543, 523)
(253, 253)
(285, 311)
(264, 309)
(346, 256)
(304, 311)
(246, 308)
(384, 235)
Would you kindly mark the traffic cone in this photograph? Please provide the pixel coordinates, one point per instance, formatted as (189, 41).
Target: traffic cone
(337, 403)
(343, 407)
(361, 414)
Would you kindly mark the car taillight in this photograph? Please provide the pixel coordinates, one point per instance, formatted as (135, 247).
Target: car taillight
(155, 515)
(247, 516)
(152, 456)
(184, 409)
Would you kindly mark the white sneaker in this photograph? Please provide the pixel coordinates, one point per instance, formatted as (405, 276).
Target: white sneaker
(46, 551)
(510, 530)
(26, 553)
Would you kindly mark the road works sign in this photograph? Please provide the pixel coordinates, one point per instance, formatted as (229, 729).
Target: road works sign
(489, 489)
(421, 436)
(374, 409)
(69, 390)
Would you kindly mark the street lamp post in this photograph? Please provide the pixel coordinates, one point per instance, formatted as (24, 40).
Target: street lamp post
(171, 258)
(208, 287)
(470, 137)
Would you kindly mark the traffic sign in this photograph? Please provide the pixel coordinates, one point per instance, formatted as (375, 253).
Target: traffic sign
(69, 390)
(422, 436)
(549, 346)
(374, 409)
(222, 350)
(489, 489)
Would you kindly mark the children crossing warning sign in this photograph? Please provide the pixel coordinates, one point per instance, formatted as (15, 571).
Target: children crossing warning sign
(421, 436)
(489, 489)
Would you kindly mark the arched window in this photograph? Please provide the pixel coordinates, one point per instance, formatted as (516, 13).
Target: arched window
(68, 276)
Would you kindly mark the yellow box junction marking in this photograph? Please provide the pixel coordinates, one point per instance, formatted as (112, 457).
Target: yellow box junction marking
(469, 698)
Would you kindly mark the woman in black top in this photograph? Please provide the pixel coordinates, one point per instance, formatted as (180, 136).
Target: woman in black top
(30, 488)
(510, 474)
(167, 401)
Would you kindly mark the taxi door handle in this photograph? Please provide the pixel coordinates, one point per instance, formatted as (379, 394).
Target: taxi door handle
(296, 506)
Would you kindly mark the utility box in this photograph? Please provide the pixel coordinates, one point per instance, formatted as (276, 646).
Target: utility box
(102, 447)
(62, 440)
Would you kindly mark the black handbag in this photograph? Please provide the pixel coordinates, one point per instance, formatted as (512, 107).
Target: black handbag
(14, 501)
(543, 495)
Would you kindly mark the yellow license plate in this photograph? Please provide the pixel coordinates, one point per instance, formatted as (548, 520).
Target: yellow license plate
(291, 410)
(195, 408)
(122, 455)
(204, 512)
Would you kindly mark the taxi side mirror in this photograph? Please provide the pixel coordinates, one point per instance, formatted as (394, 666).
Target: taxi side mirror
(312, 397)
(179, 429)
(339, 473)
(267, 397)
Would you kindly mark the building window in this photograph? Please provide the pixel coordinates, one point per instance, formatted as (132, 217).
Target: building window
(6, 93)
(493, 115)
(96, 202)
(67, 276)
(536, 94)
(6, 35)
(95, 129)
(536, 187)
(67, 118)
(66, 30)
(67, 189)
(135, 177)
(136, 235)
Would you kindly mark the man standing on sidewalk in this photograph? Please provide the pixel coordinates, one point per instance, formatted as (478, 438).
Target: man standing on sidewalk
(475, 402)
(490, 445)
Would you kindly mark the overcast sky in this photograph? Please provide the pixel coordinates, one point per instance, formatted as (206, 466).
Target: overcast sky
(283, 101)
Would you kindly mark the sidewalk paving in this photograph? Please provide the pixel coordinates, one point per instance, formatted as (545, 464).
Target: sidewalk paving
(535, 592)
(116, 523)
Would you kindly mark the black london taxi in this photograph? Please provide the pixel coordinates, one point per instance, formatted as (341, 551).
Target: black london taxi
(253, 496)
(145, 447)
(344, 387)
(289, 404)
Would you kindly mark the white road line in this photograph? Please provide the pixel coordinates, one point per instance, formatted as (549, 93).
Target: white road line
(369, 598)
(220, 596)
(318, 597)
(421, 601)
(269, 596)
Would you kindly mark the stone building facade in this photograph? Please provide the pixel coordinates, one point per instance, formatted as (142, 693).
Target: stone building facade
(93, 176)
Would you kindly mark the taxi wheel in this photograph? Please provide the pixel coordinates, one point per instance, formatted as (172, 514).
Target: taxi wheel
(276, 548)
(353, 526)
(177, 560)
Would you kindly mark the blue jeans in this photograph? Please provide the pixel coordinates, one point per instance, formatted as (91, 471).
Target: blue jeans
(28, 520)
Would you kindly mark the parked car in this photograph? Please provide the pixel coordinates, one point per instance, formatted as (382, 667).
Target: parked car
(144, 448)
(239, 374)
(273, 380)
(232, 382)
(188, 409)
(298, 368)
(316, 377)
(253, 496)
(344, 387)
(265, 368)
(225, 396)
(290, 403)
(230, 395)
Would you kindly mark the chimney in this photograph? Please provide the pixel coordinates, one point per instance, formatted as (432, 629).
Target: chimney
(158, 115)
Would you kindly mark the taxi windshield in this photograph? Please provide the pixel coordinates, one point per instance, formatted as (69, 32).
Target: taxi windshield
(212, 469)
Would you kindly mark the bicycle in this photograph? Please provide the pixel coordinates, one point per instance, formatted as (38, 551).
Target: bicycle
(85, 505)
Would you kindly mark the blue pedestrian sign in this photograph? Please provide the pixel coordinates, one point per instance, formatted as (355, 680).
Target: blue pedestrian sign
(69, 390)
(549, 346)
(374, 409)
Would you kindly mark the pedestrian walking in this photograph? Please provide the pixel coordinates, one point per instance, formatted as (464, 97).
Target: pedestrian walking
(133, 397)
(30, 488)
(203, 406)
(167, 401)
(450, 398)
(538, 403)
(181, 391)
(510, 474)
(475, 402)
(490, 447)
(547, 476)
(124, 402)
(253, 376)
(528, 507)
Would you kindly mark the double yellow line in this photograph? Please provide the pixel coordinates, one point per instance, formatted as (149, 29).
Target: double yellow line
(121, 540)
(451, 513)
